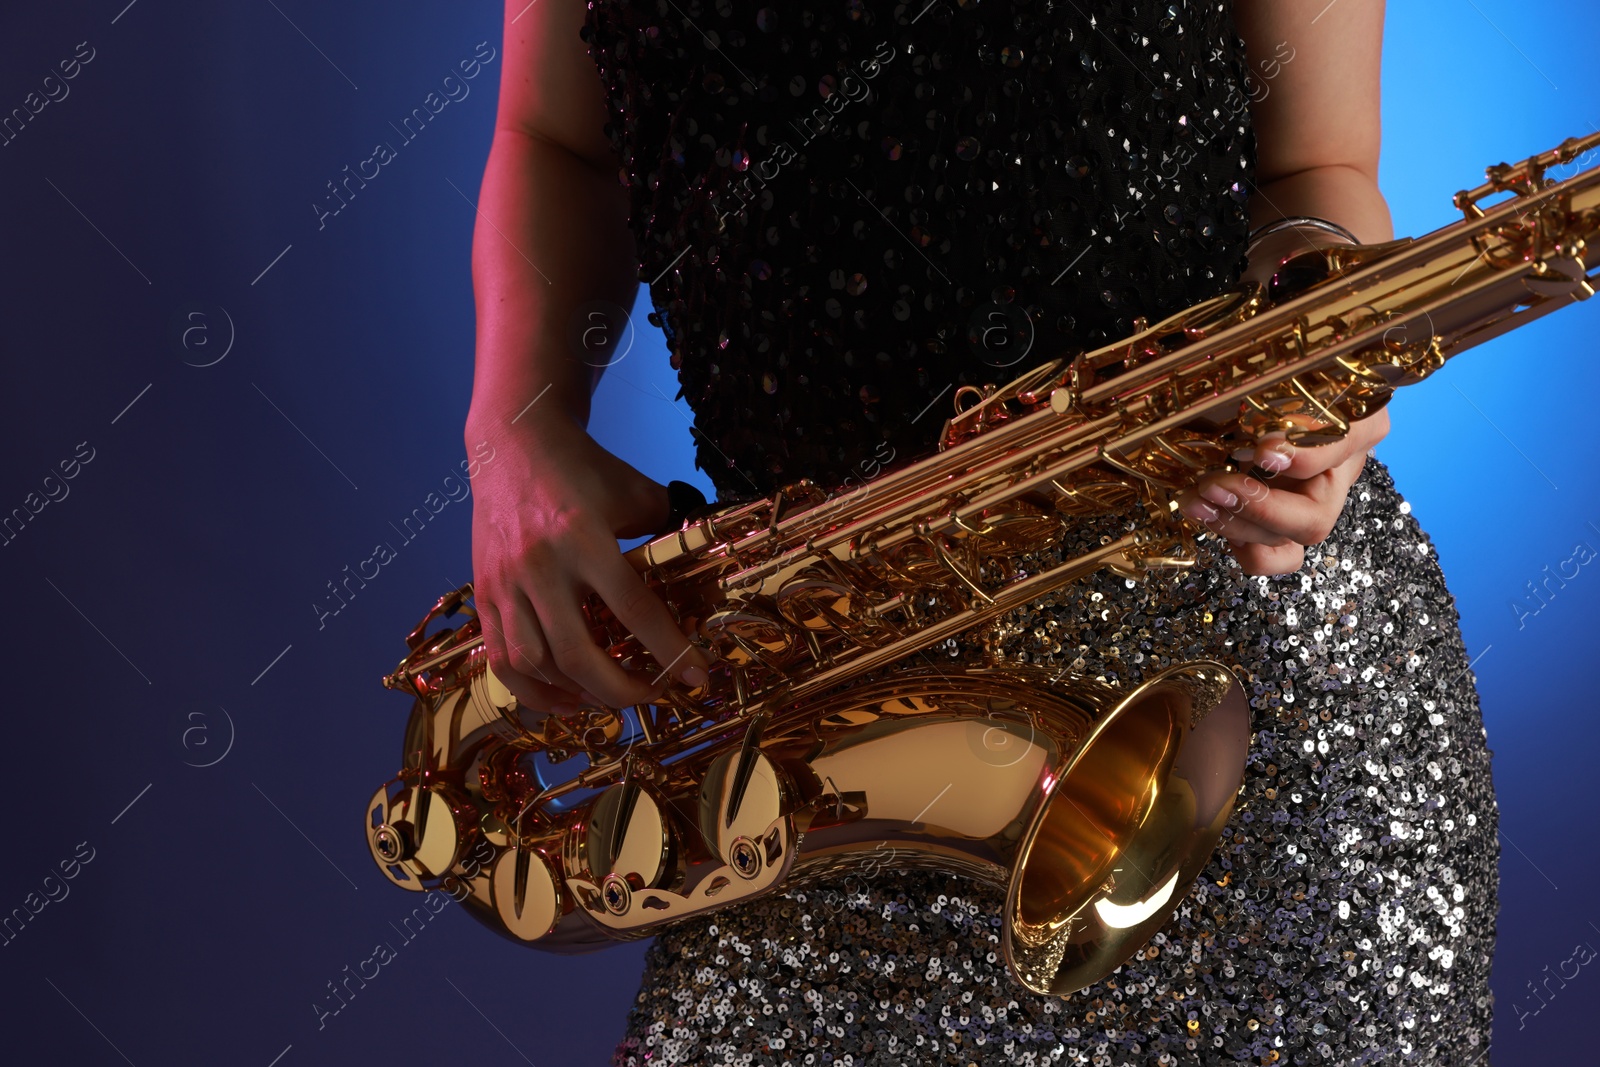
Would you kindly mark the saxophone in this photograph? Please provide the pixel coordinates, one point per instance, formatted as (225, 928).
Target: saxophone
(822, 744)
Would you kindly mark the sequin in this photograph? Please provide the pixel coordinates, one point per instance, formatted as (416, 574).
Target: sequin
(989, 144)
(952, 155)
(1347, 916)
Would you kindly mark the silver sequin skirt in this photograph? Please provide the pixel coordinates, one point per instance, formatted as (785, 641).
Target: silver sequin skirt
(1347, 917)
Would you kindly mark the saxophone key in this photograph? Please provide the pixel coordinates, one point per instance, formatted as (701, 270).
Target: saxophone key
(525, 893)
(418, 833)
(625, 845)
(742, 797)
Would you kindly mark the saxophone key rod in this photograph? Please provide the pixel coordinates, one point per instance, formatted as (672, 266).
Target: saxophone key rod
(808, 757)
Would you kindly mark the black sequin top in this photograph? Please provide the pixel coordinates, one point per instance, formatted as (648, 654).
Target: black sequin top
(847, 209)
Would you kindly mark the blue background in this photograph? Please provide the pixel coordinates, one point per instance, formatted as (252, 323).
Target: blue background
(164, 606)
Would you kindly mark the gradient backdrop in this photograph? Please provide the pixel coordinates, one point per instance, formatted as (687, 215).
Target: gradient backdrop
(252, 394)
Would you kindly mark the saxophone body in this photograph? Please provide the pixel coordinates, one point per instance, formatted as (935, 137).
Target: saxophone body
(828, 740)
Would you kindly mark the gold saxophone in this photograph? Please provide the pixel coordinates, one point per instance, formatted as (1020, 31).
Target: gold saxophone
(815, 750)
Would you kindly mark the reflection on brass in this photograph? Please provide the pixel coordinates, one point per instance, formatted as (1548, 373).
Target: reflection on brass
(525, 895)
(813, 750)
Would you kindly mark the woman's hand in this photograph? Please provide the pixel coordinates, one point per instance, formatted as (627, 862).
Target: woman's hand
(545, 525)
(1270, 524)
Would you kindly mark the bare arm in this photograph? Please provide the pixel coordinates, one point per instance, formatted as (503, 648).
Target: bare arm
(552, 234)
(1318, 134)
(552, 225)
(1318, 125)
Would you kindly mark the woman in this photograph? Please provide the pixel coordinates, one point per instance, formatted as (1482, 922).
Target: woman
(832, 202)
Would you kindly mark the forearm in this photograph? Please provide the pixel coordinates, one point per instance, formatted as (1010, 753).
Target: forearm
(551, 235)
(1319, 125)
(1340, 194)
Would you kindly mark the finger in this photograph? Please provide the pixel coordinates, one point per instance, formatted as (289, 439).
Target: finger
(1234, 528)
(1303, 510)
(643, 521)
(1275, 454)
(1362, 436)
(572, 645)
(528, 652)
(647, 618)
(1249, 511)
(529, 692)
(1257, 551)
(489, 623)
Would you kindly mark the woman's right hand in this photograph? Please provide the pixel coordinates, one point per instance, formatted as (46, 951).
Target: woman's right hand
(546, 519)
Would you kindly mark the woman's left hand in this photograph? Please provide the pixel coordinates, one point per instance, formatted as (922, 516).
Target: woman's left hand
(1269, 524)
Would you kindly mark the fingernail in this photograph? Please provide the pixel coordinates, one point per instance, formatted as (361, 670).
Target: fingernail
(1273, 459)
(1196, 509)
(693, 677)
(1218, 495)
(1244, 455)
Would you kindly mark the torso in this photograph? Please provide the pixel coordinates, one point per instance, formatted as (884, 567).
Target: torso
(911, 198)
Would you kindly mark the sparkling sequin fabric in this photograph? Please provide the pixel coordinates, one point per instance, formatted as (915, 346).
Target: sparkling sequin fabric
(1347, 917)
(848, 208)
(1065, 166)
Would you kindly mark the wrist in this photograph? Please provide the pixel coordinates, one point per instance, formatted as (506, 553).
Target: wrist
(1348, 196)
(1275, 245)
(510, 394)
(530, 422)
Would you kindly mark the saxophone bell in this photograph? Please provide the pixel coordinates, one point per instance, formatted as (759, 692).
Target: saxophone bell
(1125, 827)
